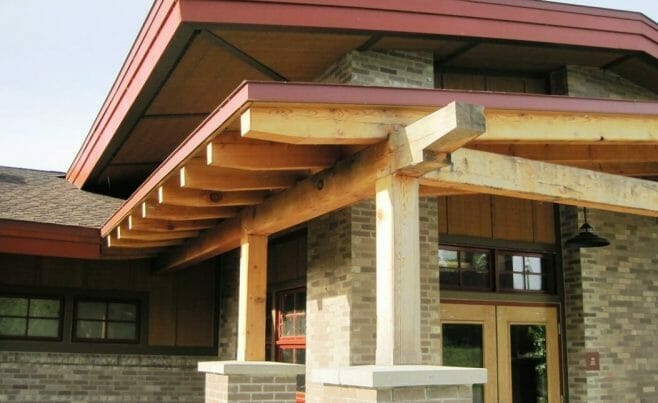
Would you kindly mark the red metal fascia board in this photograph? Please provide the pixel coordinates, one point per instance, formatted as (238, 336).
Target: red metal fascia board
(45, 239)
(463, 18)
(157, 32)
(384, 96)
(380, 96)
(567, 15)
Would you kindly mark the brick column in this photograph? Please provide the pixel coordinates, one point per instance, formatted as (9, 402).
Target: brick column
(240, 381)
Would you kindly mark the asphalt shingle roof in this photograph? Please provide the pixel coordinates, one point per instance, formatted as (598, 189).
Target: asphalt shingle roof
(47, 197)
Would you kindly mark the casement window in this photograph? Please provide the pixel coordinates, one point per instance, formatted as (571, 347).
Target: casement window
(30, 317)
(471, 269)
(291, 326)
(106, 321)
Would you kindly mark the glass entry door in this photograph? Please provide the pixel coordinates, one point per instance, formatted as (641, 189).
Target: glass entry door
(518, 346)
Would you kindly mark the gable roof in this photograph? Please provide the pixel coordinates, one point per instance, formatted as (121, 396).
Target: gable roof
(47, 197)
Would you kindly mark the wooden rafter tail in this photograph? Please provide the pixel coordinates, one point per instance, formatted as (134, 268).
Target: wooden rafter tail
(227, 180)
(137, 222)
(172, 194)
(123, 232)
(270, 156)
(113, 242)
(151, 209)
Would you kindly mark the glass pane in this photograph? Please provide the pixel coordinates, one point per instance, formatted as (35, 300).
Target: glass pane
(534, 282)
(475, 260)
(462, 347)
(287, 355)
(300, 325)
(533, 264)
(301, 302)
(528, 349)
(122, 331)
(122, 312)
(517, 263)
(288, 303)
(449, 276)
(518, 281)
(45, 308)
(91, 310)
(13, 306)
(89, 329)
(474, 279)
(448, 259)
(288, 326)
(12, 326)
(43, 328)
(300, 356)
(506, 281)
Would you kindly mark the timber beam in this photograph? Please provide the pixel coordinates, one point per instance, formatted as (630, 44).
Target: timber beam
(347, 182)
(124, 233)
(483, 172)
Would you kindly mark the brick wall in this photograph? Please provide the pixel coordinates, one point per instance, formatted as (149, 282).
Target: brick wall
(583, 81)
(610, 293)
(34, 376)
(430, 394)
(611, 296)
(228, 306)
(243, 388)
(393, 68)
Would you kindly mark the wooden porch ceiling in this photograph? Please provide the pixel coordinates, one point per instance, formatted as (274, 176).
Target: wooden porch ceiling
(276, 155)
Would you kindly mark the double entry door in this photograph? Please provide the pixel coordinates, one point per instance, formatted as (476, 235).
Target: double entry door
(518, 345)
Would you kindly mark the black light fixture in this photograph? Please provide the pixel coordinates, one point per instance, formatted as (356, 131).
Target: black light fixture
(586, 238)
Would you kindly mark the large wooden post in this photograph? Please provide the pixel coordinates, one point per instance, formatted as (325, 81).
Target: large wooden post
(398, 271)
(252, 298)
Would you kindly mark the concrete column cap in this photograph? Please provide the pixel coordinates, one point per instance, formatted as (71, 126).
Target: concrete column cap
(251, 368)
(393, 376)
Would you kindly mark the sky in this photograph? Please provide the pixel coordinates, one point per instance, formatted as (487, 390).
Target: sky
(59, 60)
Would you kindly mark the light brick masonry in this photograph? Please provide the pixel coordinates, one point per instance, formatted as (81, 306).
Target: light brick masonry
(62, 377)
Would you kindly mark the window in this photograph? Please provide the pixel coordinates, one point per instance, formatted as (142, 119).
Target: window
(474, 269)
(291, 326)
(524, 272)
(30, 317)
(465, 268)
(106, 321)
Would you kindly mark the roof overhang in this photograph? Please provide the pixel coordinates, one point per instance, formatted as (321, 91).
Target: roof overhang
(172, 26)
(355, 125)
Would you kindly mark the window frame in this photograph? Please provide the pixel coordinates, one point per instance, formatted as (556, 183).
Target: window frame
(107, 301)
(296, 342)
(552, 286)
(468, 249)
(27, 317)
(495, 270)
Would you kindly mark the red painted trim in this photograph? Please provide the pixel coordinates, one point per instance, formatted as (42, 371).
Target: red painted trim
(571, 25)
(522, 20)
(43, 239)
(249, 92)
(158, 30)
